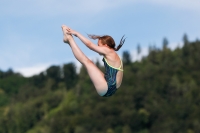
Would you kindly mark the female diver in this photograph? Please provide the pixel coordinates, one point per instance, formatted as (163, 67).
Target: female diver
(106, 85)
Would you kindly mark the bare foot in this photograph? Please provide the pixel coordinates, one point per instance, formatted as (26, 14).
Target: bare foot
(66, 36)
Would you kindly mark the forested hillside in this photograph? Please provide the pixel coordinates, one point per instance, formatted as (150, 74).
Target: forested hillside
(159, 94)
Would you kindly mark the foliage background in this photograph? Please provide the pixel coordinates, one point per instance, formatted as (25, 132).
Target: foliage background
(159, 94)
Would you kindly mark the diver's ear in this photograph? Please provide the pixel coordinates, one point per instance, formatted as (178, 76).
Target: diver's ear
(106, 45)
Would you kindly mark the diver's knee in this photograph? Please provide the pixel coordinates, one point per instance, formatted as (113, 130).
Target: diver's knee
(102, 92)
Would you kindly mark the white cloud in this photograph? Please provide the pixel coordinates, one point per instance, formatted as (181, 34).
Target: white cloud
(33, 70)
(37, 69)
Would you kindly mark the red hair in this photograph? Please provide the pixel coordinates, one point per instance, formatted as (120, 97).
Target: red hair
(108, 40)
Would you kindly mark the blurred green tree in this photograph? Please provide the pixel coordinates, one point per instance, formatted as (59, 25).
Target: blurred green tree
(70, 75)
(126, 57)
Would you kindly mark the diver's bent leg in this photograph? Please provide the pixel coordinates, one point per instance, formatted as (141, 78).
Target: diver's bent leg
(97, 77)
(94, 73)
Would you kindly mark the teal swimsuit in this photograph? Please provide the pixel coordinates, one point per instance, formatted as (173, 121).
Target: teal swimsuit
(110, 76)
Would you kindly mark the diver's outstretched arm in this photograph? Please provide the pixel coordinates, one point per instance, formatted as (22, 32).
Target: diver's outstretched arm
(87, 42)
(95, 74)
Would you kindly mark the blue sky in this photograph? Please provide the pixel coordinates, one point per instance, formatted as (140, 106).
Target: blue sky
(31, 36)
